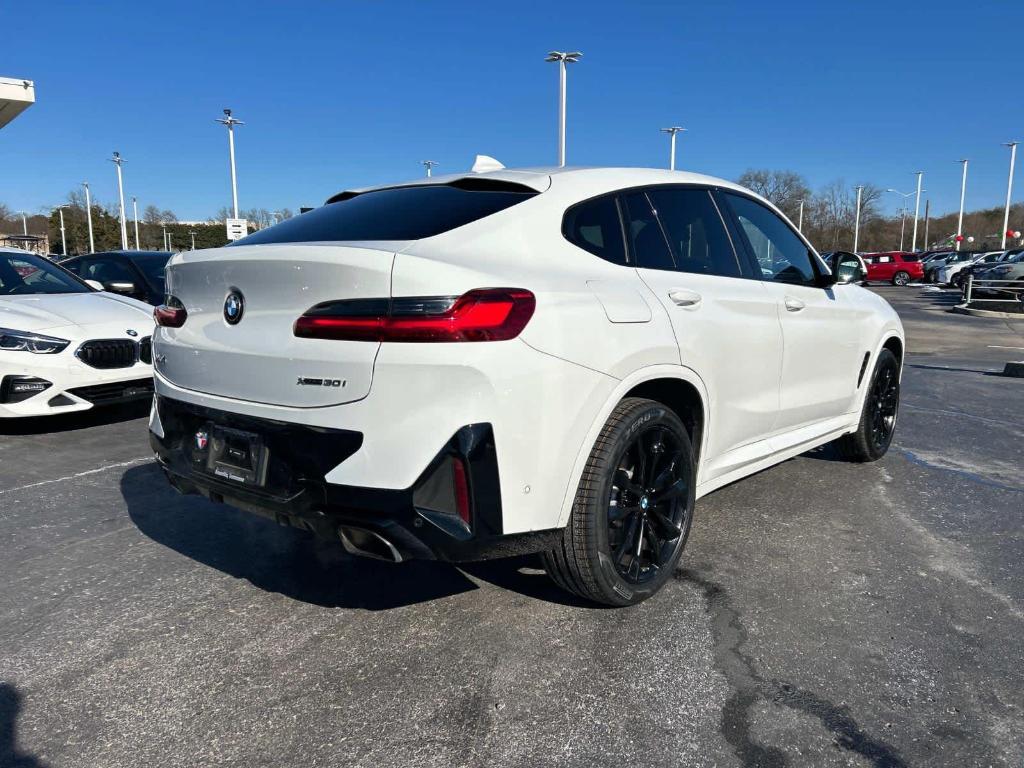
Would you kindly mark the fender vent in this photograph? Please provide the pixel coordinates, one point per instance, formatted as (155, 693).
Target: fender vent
(863, 367)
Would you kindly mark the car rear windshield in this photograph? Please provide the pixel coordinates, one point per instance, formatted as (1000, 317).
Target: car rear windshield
(403, 213)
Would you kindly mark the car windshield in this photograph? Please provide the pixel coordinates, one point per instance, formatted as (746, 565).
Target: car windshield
(152, 267)
(27, 274)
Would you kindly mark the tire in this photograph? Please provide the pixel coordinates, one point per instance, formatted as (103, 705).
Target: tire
(611, 513)
(957, 280)
(901, 278)
(878, 416)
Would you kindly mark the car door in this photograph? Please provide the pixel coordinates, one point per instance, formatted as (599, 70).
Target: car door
(823, 329)
(725, 323)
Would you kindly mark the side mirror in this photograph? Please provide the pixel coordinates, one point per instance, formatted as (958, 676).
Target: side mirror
(95, 284)
(120, 287)
(847, 270)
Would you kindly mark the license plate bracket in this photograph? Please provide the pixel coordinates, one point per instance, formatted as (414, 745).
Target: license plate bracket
(236, 455)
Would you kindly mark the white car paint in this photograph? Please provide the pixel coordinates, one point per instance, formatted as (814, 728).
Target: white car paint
(775, 365)
(77, 318)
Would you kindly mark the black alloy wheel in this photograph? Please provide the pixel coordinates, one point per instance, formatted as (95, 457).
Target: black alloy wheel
(874, 433)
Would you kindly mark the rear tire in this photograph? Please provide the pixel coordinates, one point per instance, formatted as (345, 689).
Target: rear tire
(633, 508)
(901, 278)
(877, 424)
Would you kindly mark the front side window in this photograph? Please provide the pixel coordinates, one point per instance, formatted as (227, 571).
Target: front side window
(402, 213)
(695, 231)
(646, 240)
(595, 226)
(30, 274)
(782, 256)
(106, 270)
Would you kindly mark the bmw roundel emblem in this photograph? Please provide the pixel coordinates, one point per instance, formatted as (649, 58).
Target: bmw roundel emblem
(132, 333)
(234, 307)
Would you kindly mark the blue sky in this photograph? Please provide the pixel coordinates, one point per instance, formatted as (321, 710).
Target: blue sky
(349, 93)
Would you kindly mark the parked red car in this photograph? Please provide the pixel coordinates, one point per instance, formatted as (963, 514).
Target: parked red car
(896, 267)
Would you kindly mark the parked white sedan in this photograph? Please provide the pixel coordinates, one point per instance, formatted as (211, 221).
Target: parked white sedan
(64, 345)
(548, 360)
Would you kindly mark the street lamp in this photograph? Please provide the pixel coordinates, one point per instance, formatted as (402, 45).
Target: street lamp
(63, 239)
(917, 210)
(117, 160)
(192, 232)
(428, 164)
(800, 220)
(88, 216)
(856, 223)
(1009, 189)
(24, 223)
(672, 144)
(231, 122)
(960, 219)
(135, 213)
(562, 58)
(164, 228)
(903, 211)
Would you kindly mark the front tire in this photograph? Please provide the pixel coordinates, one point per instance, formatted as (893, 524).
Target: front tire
(877, 424)
(633, 508)
(901, 278)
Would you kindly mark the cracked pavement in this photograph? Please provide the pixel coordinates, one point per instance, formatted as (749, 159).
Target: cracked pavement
(824, 613)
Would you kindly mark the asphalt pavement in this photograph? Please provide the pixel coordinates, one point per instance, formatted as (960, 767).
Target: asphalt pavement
(824, 613)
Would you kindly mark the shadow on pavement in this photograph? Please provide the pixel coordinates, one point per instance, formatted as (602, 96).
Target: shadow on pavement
(94, 417)
(297, 564)
(10, 705)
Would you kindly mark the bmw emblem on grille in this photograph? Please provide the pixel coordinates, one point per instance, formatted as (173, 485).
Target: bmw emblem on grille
(234, 307)
(202, 439)
(132, 333)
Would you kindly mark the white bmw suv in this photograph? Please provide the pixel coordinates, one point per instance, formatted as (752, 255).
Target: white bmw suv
(555, 360)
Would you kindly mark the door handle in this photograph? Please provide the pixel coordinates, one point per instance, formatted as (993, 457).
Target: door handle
(684, 298)
(794, 305)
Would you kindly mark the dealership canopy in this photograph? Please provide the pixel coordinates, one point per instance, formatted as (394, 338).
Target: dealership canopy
(15, 97)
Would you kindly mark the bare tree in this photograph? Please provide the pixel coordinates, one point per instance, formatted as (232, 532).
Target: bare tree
(784, 188)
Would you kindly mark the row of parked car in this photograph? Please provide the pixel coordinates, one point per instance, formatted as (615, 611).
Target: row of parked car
(945, 267)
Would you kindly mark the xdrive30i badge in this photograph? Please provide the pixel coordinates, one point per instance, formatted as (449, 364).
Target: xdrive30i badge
(306, 382)
(234, 307)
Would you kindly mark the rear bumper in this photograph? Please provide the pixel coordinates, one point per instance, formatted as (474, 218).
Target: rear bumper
(412, 523)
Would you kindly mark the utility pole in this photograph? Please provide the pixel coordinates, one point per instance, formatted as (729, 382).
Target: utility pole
(917, 210)
(88, 216)
(960, 220)
(428, 164)
(117, 160)
(135, 211)
(856, 224)
(1009, 190)
(231, 122)
(672, 144)
(563, 59)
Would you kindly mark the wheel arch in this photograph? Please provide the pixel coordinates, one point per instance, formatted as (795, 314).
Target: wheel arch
(678, 387)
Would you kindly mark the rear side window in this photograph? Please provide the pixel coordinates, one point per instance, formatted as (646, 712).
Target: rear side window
(595, 226)
(909, 258)
(695, 231)
(405, 213)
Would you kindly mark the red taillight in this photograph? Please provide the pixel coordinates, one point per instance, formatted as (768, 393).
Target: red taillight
(486, 314)
(170, 314)
(460, 484)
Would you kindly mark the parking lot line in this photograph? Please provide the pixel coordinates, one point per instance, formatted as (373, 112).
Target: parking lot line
(1000, 346)
(104, 468)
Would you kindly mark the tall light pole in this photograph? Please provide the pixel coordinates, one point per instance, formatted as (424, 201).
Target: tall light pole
(164, 228)
(856, 223)
(1009, 190)
(960, 219)
(903, 211)
(192, 232)
(63, 239)
(917, 210)
(927, 219)
(24, 223)
(672, 144)
(800, 220)
(135, 213)
(88, 216)
(117, 160)
(231, 122)
(563, 59)
(428, 164)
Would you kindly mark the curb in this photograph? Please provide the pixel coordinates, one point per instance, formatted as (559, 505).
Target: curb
(963, 309)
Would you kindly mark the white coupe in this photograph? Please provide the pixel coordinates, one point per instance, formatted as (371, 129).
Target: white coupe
(544, 360)
(64, 345)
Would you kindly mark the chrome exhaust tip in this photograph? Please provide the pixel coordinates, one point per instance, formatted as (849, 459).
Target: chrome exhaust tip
(366, 543)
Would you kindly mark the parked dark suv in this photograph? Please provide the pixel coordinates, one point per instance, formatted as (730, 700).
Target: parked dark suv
(139, 274)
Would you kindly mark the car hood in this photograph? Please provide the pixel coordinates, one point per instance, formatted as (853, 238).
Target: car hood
(40, 312)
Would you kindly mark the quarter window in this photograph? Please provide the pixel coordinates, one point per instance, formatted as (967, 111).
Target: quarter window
(695, 231)
(595, 226)
(646, 240)
(781, 255)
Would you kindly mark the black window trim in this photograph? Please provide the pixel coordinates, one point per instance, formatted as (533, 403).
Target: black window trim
(816, 263)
